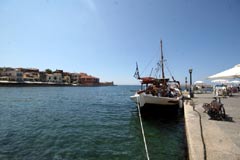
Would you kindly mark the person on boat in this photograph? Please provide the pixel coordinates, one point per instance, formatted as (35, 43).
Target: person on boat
(152, 89)
(171, 92)
(174, 92)
(163, 91)
(149, 89)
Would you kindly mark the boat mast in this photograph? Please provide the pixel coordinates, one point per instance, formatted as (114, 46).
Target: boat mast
(161, 61)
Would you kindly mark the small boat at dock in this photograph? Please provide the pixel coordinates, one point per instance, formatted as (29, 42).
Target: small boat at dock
(158, 92)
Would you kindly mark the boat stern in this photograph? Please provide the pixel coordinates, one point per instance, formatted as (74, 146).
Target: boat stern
(134, 98)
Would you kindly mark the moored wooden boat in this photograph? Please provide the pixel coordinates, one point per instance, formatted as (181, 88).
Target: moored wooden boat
(157, 92)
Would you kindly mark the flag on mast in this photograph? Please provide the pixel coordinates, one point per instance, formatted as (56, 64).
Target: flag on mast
(136, 74)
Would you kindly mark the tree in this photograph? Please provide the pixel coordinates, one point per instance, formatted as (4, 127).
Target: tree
(48, 71)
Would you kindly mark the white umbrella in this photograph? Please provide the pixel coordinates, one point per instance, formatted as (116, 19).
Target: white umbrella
(235, 82)
(230, 73)
(222, 81)
(198, 82)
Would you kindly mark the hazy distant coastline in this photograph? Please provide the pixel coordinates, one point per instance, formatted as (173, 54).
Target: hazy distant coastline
(49, 84)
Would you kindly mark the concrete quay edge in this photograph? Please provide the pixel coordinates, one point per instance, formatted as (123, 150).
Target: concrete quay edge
(212, 139)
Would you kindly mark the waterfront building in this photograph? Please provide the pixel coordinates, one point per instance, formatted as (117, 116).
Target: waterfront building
(10, 74)
(66, 77)
(74, 78)
(42, 76)
(54, 77)
(30, 74)
(5, 73)
(19, 76)
(88, 79)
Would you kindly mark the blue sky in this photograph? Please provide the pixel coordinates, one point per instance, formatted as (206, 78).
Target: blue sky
(105, 38)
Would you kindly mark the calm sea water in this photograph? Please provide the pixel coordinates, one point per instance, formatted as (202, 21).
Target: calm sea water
(93, 123)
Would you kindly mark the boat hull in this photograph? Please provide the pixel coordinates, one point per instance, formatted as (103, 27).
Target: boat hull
(149, 100)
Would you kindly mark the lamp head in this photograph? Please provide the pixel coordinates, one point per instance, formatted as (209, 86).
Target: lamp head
(190, 70)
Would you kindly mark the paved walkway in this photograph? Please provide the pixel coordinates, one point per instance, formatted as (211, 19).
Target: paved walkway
(212, 139)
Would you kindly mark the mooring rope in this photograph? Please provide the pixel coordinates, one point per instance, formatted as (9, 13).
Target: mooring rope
(143, 134)
(202, 137)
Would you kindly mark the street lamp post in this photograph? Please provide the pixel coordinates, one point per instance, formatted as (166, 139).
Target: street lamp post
(186, 84)
(190, 90)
